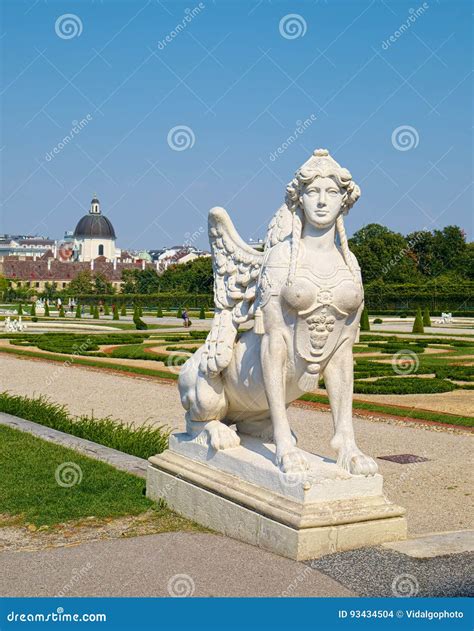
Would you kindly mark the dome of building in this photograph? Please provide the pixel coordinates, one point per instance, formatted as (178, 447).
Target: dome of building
(94, 227)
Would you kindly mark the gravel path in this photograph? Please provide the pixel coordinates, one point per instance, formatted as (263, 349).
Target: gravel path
(437, 494)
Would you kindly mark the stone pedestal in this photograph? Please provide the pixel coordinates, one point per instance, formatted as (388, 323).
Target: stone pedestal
(242, 494)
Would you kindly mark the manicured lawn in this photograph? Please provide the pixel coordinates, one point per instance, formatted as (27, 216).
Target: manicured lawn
(29, 489)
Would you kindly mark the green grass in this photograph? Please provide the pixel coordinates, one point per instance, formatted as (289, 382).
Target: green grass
(394, 410)
(78, 344)
(80, 361)
(30, 491)
(137, 351)
(144, 441)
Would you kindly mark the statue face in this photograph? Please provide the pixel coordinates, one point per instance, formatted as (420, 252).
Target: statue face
(322, 201)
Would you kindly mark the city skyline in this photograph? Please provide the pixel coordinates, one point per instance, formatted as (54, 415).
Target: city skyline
(166, 122)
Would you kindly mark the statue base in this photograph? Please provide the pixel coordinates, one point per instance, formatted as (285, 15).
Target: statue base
(240, 493)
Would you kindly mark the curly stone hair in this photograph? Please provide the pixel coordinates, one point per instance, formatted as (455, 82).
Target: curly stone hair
(320, 165)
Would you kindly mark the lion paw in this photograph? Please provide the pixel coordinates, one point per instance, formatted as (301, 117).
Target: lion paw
(221, 436)
(292, 461)
(357, 463)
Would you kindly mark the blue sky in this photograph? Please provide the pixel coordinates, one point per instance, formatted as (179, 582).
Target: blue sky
(240, 77)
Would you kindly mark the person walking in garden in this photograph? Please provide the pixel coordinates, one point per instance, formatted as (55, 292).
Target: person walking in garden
(185, 316)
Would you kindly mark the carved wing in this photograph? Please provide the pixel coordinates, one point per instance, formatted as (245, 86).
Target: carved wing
(236, 268)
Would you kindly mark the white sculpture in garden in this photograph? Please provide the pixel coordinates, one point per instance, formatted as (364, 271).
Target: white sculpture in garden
(14, 326)
(304, 295)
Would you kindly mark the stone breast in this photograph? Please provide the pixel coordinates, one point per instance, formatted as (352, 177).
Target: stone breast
(309, 291)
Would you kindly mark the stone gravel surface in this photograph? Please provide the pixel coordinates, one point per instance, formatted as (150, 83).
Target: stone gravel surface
(437, 494)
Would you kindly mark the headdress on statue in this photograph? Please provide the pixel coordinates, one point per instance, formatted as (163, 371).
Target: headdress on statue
(321, 164)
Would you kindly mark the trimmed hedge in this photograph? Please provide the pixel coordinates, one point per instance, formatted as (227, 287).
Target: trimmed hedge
(404, 385)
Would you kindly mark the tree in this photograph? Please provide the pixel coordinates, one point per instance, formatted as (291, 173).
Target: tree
(19, 309)
(46, 308)
(115, 313)
(78, 311)
(4, 286)
(159, 312)
(61, 312)
(50, 290)
(123, 310)
(102, 285)
(129, 281)
(82, 283)
(418, 323)
(382, 253)
(202, 314)
(195, 277)
(106, 309)
(96, 313)
(421, 247)
(33, 309)
(426, 317)
(91, 309)
(364, 320)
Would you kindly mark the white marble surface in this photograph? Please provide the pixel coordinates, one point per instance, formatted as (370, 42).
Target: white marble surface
(254, 462)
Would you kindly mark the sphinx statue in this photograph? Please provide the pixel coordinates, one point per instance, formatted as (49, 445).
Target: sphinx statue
(304, 295)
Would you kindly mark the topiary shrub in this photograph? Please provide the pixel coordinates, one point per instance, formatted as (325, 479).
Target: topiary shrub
(139, 324)
(19, 309)
(364, 320)
(123, 310)
(46, 309)
(33, 309)
(61, 312)
(378, 321)
(78, 311)
(426, 317)
(106, 309)
(95, 312)
(159, 312)
(202, 314)
(418, 323)
(34, 319)
(91, 309)
(116, 313)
